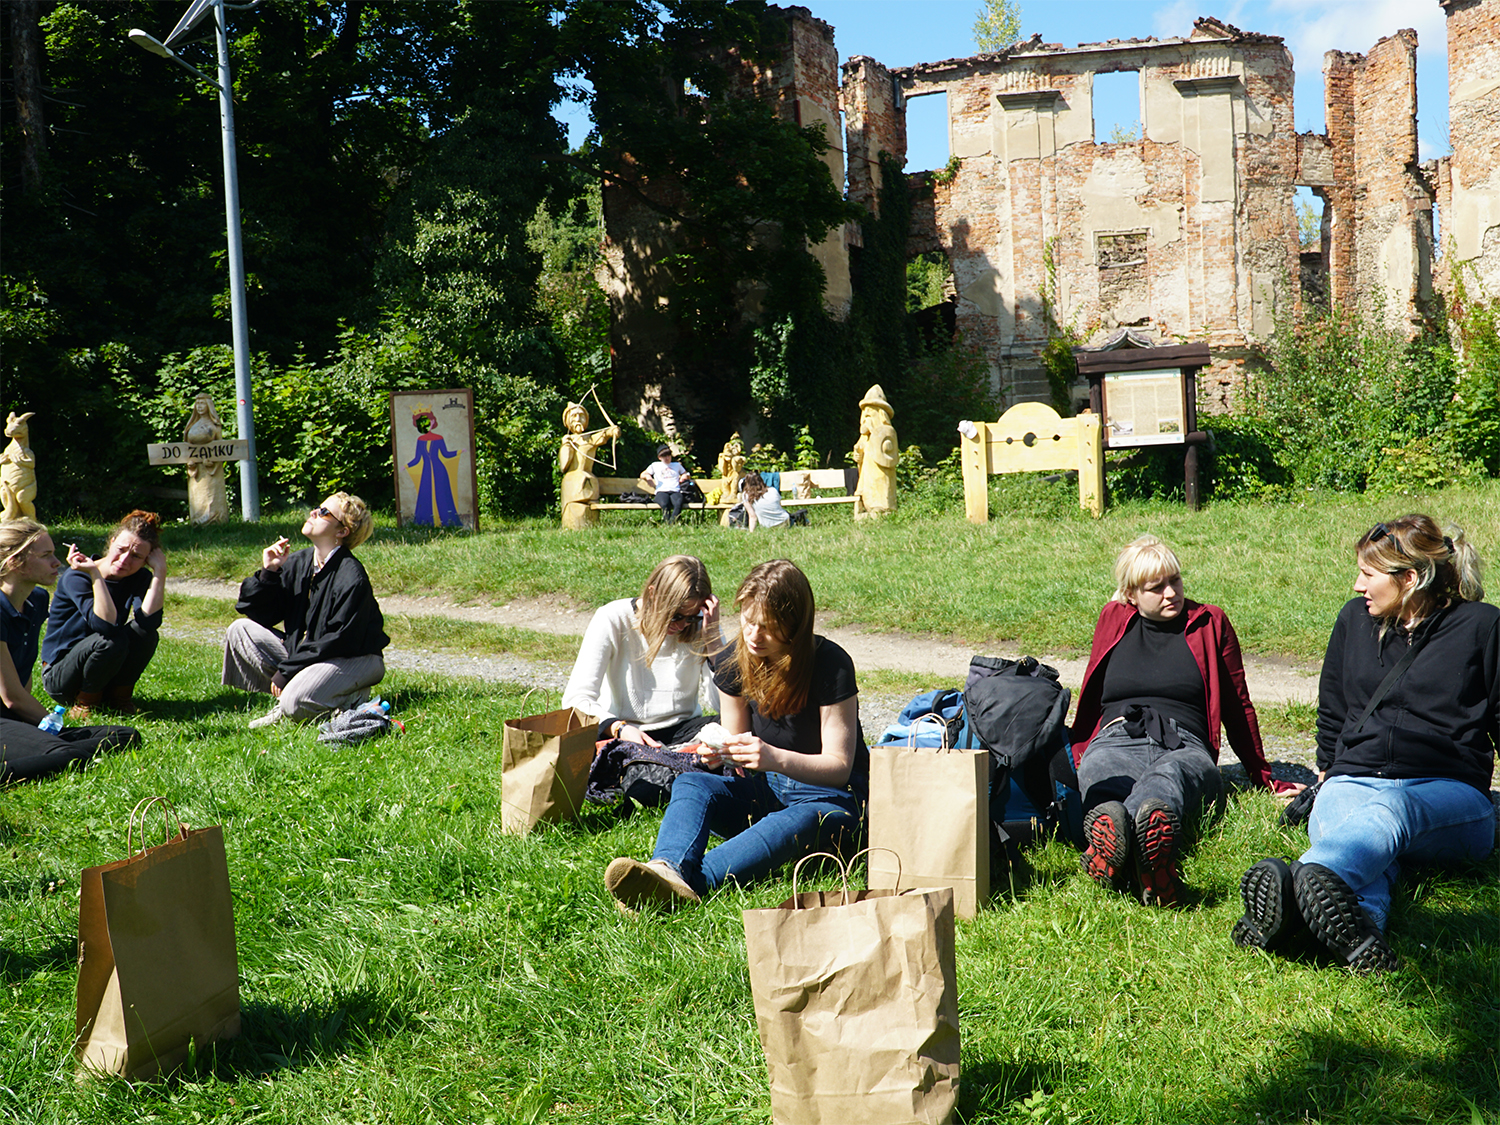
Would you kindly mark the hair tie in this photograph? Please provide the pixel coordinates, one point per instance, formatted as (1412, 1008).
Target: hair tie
(1448, 543)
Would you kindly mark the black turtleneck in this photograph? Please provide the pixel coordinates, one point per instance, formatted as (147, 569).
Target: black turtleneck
(1152, 665)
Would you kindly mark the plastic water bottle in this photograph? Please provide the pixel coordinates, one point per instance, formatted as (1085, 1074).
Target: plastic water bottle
(53, 721)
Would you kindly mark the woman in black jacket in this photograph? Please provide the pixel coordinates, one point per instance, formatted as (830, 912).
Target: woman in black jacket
(325, 654)
(1408, 719)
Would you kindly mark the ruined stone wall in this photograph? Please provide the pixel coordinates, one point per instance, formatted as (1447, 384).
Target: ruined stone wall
(1187, 232)
(1381, 229)
(874, 123)
(1470, 217)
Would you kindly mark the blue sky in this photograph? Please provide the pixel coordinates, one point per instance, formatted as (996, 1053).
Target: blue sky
(903, 32)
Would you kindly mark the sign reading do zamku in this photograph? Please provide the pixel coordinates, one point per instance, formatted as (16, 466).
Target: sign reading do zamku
(186, 453)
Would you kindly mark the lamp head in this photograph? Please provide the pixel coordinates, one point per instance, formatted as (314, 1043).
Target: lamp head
(149, 43)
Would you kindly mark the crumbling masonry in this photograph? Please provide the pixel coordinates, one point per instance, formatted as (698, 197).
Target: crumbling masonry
(1187, 231)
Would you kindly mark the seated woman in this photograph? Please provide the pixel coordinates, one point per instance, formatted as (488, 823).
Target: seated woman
(800, 770)
(1408, 710)
(94, 652)
(28, 561)
(645, 662)
(762, 503)
(1163, 674)
(667, 476)
(325, 654)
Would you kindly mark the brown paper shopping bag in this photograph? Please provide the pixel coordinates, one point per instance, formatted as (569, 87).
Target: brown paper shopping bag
(856, 1001)
(930, 807)
(545, 768)
(156, 958)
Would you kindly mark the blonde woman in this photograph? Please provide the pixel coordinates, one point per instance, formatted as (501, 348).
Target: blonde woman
(1164, 675)
(1408, 718)
(644, 666)
(796, 767)
(312, 634)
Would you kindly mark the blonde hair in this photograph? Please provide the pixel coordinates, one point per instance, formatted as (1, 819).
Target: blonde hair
(673, 583)
(1144, 559)
(782, 599)
(16, 537)
(356, 518)
(1446, 565)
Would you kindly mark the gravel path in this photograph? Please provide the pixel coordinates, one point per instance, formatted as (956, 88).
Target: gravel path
(1270, 681)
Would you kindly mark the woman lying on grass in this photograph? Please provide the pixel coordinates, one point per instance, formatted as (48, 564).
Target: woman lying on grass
(1408, 715)
(644, 664)
(1164, 673)
(797, 770)
(28, 561)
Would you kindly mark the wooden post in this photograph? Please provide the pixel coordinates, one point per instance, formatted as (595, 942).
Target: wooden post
(1091, 464)
(974, 456)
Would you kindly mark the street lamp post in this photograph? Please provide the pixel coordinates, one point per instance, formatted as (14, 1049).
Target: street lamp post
(244, 411)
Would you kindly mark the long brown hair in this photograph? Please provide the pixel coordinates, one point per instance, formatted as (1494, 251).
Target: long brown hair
(675, 582)
(782, 600)
(753, 487)
(1446, 565)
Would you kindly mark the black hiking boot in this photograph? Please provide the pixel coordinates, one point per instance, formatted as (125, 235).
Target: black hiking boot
(1336, 919)
(1272, 919)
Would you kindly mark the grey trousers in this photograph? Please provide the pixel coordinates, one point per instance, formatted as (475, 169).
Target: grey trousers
(252, 653)
(1116, 767)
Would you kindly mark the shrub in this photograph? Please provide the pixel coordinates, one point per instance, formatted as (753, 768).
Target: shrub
(1241, 460)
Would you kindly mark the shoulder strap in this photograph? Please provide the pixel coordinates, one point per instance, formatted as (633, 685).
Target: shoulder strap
(1392, 676)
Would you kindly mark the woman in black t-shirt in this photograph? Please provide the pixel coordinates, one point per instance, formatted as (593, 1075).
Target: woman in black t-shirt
(798, 767)
(1164, 675)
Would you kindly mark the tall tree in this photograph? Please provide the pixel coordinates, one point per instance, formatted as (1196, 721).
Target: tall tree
(997, 25)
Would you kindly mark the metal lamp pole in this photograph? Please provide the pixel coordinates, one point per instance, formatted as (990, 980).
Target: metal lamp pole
(239, 325)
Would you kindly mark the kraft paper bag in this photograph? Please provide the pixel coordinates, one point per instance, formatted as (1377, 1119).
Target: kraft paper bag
(545, 768)
(856, 1002)
(157, 966)
(931, 808)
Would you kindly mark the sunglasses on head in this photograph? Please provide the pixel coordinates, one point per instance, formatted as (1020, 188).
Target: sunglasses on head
(1381, 531)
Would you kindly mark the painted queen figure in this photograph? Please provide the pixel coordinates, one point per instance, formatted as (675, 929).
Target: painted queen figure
(434, 472)
(576, 459)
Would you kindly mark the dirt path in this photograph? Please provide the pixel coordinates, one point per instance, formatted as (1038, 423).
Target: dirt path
(1270, 681)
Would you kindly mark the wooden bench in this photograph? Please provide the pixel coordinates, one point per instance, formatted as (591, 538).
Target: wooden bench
(618, 486)
(795, 480)
(1032, 437)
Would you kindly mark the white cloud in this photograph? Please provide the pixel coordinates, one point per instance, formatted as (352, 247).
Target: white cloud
(1312, 27)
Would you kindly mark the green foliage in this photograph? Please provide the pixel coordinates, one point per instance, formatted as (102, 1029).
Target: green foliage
(1473, 418)
(997, 24)
(570, 243)
(949, 171)
(1309, 226)
(945, 382)
(926, 281)
(1241, 460)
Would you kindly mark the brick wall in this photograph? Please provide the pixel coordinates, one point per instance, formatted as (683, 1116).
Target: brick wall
(1470, 222)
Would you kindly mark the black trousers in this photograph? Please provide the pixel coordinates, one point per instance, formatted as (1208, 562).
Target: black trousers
(27, 752)
(97, 662)
(671, 505)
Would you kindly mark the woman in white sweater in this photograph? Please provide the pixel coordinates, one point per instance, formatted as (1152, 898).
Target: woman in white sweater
(644, 668)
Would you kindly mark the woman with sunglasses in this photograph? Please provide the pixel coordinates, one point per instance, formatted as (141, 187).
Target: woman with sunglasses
(1408, 717)
(312, 634)
(104, 624)
(645, 664)
(796, 770)
(1164, 675)
(28, 563)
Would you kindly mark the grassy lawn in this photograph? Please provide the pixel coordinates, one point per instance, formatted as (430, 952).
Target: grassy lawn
(1032, 578)
(401, 961)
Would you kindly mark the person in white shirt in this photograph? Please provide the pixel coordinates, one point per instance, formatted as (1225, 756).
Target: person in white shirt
(668, 477)
(645, 666)
(762, 504)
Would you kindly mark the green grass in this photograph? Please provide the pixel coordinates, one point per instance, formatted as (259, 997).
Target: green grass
(1033, 578)
(402, 961)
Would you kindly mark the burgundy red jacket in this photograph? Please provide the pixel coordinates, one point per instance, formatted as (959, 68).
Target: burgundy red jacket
(1212, 641)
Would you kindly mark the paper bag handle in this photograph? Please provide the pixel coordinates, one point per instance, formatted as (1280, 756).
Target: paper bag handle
(143, 807)
(911, 732)
(842, 866)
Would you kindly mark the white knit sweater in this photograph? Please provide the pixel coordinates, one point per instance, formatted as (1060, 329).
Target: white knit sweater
(611, 676)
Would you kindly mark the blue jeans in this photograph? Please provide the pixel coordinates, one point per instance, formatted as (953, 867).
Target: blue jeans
(1362, 826)
(766, 820)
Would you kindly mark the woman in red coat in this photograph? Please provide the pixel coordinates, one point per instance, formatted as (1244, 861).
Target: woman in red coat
(1163, 676)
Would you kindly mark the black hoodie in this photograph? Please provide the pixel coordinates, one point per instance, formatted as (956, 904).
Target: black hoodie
(1440, 719)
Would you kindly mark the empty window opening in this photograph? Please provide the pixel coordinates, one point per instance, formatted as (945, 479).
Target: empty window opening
(927, 132)
(1117, 107)
(1124, 287)
(1312, 244)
